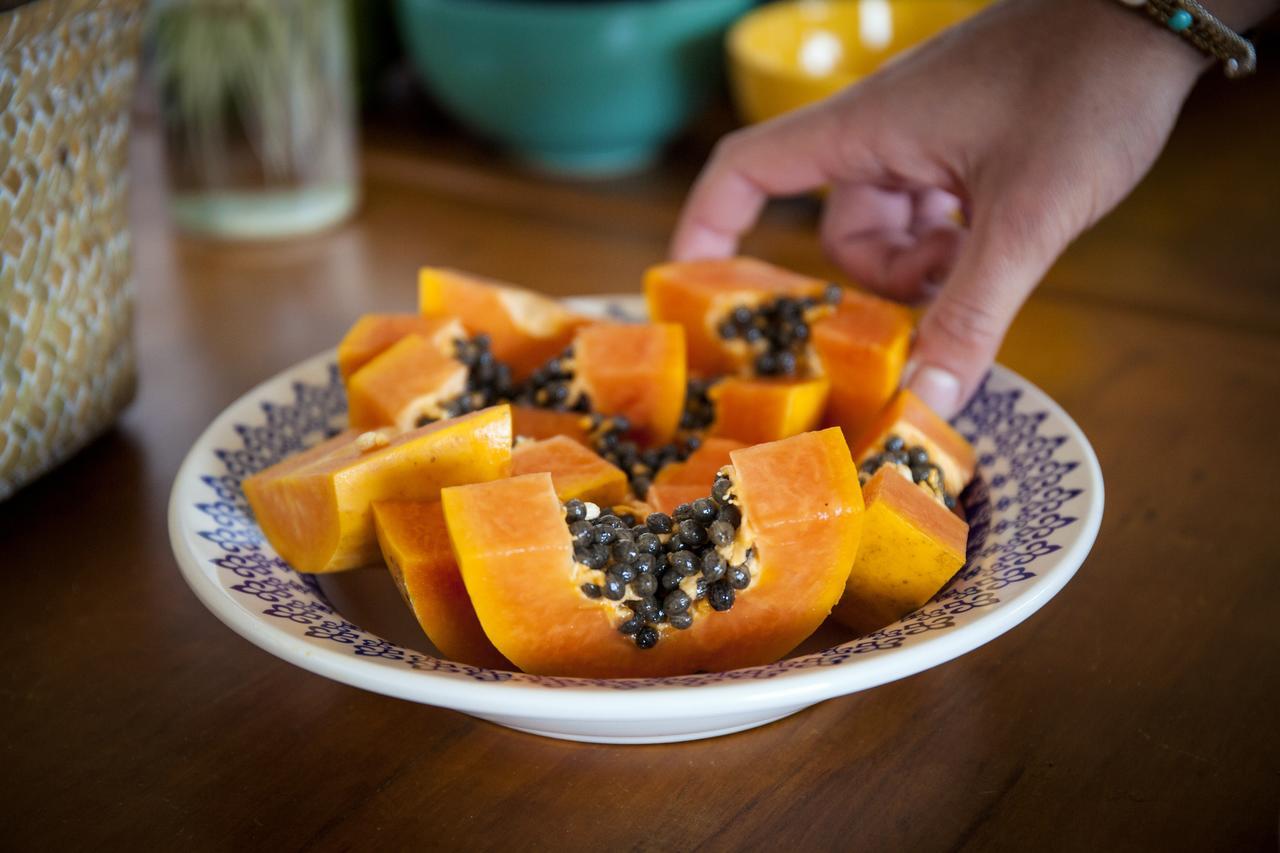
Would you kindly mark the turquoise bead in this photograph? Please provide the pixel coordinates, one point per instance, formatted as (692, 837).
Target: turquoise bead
(1180, 20)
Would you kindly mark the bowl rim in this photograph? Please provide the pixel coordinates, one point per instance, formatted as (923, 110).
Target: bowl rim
(570, 700)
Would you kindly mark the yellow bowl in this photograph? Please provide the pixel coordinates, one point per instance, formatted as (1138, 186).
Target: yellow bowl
(786, 55)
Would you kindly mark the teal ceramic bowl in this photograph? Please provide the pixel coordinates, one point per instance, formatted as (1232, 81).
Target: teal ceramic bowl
(580, 88)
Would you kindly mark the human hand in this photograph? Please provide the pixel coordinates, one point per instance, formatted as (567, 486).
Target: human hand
(1033, 119)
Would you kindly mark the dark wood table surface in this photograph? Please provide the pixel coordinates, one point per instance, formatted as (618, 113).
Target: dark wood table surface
(1138, 710)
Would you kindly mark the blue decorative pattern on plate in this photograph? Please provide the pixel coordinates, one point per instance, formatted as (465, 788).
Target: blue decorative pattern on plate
(1034, 513)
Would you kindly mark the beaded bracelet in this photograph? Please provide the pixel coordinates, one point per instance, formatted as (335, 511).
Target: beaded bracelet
(1197, 25)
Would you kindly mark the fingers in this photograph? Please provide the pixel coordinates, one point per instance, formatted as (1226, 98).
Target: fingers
(899, 244)
(956, 342)
(935, 208)
(795, 153)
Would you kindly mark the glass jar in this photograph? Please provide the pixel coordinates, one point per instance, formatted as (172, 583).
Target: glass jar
(258, 106)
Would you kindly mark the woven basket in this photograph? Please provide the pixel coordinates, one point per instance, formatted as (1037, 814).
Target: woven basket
(67, 70)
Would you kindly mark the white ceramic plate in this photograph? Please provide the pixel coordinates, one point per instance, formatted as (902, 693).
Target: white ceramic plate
(1034, 510)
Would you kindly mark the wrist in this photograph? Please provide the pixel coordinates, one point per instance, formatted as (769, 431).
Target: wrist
(1132, 37)
(1240, 15)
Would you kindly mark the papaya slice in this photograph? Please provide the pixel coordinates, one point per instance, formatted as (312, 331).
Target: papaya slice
(917, 436)
(863, 347)
(759, 410)
(536, 423)
(411, 380)
(633, 370)
(374, 333)
(700, 467)
(911, 546)
(414, 382)
(576, 472)
(315, 507)
(746, 572)
(525, 328)
(415, 547)
(701, 295)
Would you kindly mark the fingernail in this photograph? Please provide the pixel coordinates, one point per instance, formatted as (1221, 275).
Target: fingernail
(938, 388)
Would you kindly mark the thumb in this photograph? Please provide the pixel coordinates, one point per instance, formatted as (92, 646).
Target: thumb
(1003, 260)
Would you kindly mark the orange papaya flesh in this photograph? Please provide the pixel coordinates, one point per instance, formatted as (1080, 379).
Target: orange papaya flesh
(537, 423)
(525, 328)
(910, 419)
(863, 346)
(576, 472)
(550, 614)
(415, 546)
(699, 467)
(700, 294)
(636, 370)
(911, 546)
(665, 497)
(766, 409)
(315, 507)
(373, 333)
(411, 380)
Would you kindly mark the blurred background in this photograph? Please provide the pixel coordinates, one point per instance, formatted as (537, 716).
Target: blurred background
(261, 100)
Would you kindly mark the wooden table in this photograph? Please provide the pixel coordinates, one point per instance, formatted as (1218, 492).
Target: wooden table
(1136, 711)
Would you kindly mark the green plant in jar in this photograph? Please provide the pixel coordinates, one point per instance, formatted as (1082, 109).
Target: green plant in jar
(257, 103)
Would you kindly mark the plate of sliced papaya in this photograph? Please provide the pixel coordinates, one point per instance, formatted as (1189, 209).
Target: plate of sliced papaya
(631, 519)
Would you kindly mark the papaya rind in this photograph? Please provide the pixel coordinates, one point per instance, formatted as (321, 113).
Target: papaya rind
(415, 546)
(911, 547)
